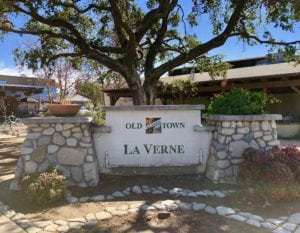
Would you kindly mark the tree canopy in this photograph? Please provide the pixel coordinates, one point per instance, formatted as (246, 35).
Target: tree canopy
(147, 37)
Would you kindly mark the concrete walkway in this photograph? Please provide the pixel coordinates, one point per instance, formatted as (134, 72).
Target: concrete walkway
(290, 142)
(8, 158)
(8, 226)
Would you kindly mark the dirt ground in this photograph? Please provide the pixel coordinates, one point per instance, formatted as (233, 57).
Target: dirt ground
(188, 222)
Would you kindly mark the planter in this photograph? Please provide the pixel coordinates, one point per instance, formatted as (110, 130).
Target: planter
(63, 110)
(288, 129)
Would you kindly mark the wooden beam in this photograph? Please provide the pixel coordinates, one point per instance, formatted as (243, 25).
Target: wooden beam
(295, 89)
(258, 85)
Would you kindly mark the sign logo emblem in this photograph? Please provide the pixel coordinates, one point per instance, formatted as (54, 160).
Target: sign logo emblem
(153, 125)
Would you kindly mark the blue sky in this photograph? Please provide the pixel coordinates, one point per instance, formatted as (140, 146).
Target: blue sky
(232, 50)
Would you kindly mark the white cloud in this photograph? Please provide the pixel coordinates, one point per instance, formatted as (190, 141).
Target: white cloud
(14, 71)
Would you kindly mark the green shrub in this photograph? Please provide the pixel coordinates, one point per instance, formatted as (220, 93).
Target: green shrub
(48, 113)
(44, 188)
(238, 102)
(98, 116)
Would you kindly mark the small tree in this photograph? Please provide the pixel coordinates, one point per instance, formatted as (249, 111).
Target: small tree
(90, 90)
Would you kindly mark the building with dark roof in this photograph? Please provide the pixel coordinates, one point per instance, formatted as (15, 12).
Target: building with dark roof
(279, 77)
(21, 94)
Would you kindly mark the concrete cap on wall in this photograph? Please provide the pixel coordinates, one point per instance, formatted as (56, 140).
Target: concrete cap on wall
(52, 119)
(262, 117)
(154, 107)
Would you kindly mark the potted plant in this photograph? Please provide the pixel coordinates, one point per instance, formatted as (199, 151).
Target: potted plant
(64, 108)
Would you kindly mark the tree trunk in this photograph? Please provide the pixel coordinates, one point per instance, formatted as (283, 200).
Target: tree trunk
(138, 96)
(151, 92)
(136, 88)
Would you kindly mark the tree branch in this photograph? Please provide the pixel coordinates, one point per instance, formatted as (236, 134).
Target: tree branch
(56, 56)
(121, 25)
(272, 42)
(202, 48)
(152, 17)
(54, 23)
(83, 10)
(157, 45)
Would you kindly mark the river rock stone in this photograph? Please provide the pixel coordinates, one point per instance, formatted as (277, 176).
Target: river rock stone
(274, 143)
(281, 230)
(210, 210)
(223, 211)
(48, 131)
(58, 139)
(294, 218)
(52, 149)
(66, 133)
(71, 156)
(76, 225)
(237, 217)
(268, 225)
(226, 124)
(265, 125)
(71, 142)
(98, 198)
(33, 135)
(58, 127)
(185, 206)
(220, 194)
(90, 172)
(237, 136)
(228, 131)
(289, 226)
(51, 228)
(118, 194)
(221, 155)
(244, 130)
(90, 158)
(63, 228)
(198, 206)
(223, 164)
(137, 189)
(39, 154)
(33, 230)
(261, 142)
(257, 134)
(61, 222)
(236, 148)
(67, 126)
(253, 223)
(78, 135)
(76, 173)
(103, 215)
(26, 150)
(255, 126)
(30, 167)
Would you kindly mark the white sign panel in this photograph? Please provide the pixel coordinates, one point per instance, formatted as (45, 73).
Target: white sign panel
(154, 137)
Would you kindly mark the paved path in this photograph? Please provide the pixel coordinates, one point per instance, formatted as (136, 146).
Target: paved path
(9, 153)
(8, 226)
(290, 142)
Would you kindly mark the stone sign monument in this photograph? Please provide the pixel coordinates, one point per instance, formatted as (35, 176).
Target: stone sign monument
(153, 136)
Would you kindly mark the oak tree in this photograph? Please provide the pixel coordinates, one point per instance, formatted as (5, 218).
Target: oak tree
(145, 38)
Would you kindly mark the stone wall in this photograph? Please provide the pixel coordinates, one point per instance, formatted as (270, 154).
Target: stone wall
(234, 134)
(64, 142)
(67, 143)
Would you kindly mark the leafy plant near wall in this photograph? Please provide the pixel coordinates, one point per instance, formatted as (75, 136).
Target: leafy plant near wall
(98, 116)
(239, 101)
(44, 188)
